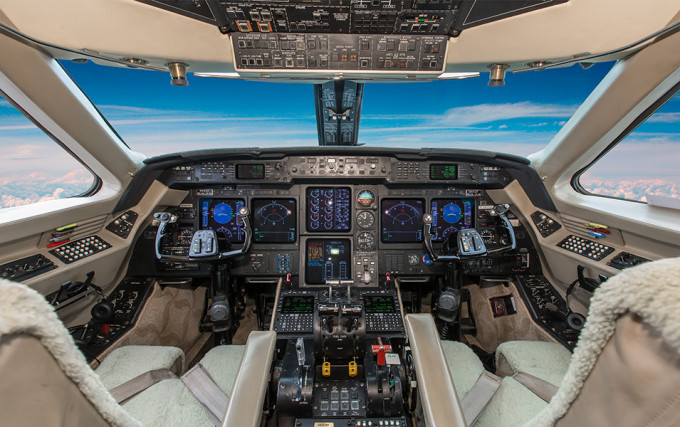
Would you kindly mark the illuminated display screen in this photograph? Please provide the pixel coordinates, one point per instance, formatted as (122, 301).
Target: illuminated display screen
(402, 220)
(329, 209)
(378, 304)
(450, 216)
(250, 171)
(274, 221)
(221, 215)
(443, 171)
(327, 259)
(297, 304)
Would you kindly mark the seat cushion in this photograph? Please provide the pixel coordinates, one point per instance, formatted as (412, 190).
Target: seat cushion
(168, 403)
(127, 362)
(222, 363)
(464, 366)
(548, 361)
(512, 405)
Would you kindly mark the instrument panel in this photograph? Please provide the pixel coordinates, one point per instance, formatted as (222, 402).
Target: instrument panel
(341, 218)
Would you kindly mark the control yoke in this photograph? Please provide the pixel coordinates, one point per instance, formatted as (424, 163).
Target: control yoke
(206, 245)
(470, 243)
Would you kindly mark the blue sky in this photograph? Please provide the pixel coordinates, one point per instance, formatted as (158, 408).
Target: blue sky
(154, 117)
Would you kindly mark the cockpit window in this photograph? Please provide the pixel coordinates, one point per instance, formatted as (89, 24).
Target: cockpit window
(35, 168)
(644, 165)
(155, 118)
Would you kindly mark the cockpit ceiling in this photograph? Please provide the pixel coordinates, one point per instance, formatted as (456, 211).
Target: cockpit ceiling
(325, 39)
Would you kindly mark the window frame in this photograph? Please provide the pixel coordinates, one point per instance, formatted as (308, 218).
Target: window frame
(639, 120)
(97, 182)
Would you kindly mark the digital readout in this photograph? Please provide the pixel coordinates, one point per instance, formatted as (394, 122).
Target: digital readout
(402, 220)
(250, 171)
(329, 209)
(221, 215)
(378, 304)
(297, 304)
(443, 171)
(327, 259)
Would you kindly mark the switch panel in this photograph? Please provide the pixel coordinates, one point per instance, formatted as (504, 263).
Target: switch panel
(339, 52)
(83, 248)
(545, 225)
(585, 247)
(25, 268)
(122, 225)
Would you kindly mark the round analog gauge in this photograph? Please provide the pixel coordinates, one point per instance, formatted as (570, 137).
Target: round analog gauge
(365, 198)
(365, 219)
(366, 241)
(488, 236)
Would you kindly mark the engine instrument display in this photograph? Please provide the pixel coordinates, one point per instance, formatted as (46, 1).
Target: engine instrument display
(450, 216)
(378, 304)
(329, 209)
(221, 215)
(402, 220)
(297, 304)
(327, 259)
(274, 221)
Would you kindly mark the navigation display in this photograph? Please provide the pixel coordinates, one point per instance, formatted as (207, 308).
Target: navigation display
(297, 304)
(329, 209)
(450, 216)
(402, 220)
(274, 221)
(221, 215)
(327, 259)
(378, 304)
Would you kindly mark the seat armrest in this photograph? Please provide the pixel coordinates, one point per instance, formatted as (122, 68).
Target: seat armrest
(247, 396)
(439, 400)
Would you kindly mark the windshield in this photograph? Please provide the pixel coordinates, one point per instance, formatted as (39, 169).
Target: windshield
(156, 118)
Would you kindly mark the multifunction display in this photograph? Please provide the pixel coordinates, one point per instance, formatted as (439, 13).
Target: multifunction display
(378, 304)
(274, 221)
(402, 220)
(297, 304)
(451, 215)
(327, 259)
(329, 209)
(221, 215)
(443, 171)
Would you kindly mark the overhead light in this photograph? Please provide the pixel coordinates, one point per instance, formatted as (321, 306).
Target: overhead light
(497, 75)
(457, 76)
(218, 75)
(178, 73)
(136, 61)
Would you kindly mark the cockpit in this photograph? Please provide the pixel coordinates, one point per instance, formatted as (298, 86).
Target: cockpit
(346, 282)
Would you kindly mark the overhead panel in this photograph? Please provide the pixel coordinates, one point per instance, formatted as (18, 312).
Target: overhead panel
(345, 35)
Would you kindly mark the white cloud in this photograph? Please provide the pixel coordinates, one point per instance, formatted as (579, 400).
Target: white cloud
(664, 118)
(487, 113)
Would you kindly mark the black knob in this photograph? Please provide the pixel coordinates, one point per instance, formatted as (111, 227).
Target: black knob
(102, 311)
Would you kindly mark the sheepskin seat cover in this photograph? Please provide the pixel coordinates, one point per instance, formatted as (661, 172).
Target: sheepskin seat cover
(24, 311)
(651, 291)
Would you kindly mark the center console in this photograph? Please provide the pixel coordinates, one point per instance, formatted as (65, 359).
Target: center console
(344, 352)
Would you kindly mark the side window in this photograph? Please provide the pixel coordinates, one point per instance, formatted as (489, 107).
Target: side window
(646, 162)
(34, 167)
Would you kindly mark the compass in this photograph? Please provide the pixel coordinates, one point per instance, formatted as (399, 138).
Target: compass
(273, 213)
